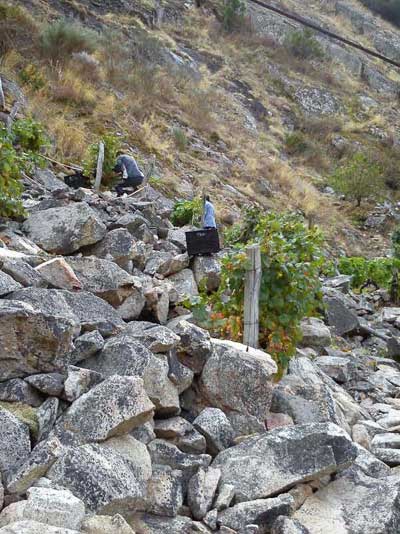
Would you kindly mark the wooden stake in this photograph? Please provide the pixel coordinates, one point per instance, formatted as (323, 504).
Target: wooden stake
(99, 171)
(251, 296)
(2, 98)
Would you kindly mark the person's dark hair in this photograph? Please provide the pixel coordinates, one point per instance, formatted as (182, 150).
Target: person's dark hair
(207, 198)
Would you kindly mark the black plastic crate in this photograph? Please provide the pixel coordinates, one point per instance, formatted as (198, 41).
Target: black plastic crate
(202, 242)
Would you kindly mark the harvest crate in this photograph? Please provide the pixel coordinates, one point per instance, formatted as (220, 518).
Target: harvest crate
(202, 242)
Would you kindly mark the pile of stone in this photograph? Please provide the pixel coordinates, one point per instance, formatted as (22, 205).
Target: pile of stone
(120, 415)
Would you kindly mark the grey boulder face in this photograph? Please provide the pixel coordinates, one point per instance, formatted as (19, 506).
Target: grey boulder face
(201, 491)
(184, 286)
(353, 503)
(161, 391)
(315, 333)
(79, 381)
(84, 309)
(34, 527)
(194, 347)
(65, 230)
(15, 444)
(102, 478)
(117, 244)
(46, 417)
(48, 383)
(104, 524)
(23, 273)
(165, 492)
(112, 408)
(286, 525)
(31, 341)
(343, 320)
(238, 379)
(213, 424)
(181, 433)
(261, 512)
(207, 272)
(122, 356)
(155, 337)
(7, 284)
(17, 390)
(273, 462)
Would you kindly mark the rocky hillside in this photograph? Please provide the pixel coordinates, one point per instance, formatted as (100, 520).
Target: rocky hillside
(251, 116)
(120, 415)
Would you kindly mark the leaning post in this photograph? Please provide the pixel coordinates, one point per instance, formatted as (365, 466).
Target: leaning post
(99, 170)
(252, 296)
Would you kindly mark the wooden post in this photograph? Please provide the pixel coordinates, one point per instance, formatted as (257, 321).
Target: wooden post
(2, 98)
(12, 116)
(99, 171)
(251, 296)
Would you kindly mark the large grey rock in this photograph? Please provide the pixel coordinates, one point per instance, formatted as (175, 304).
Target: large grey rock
(207, 272)
(132, 450)
(17, 390)
(50, 181)
(111, 408)
(164, 453)
(165, 492)
(182, 433)
(7, 284)
(159, 263)
(213, 424)
(34, 527)
(104, 524)
(35, 466)
(102, 478)
(59, 508)
(343, 320)
(23, 273)
(103, 278)
(86, 345)
(184, 286)
(31, 341)
(194, 347)
(118, 245)
(161, 391)
(47, 383)
(46, 417)
(15, 445)
(65, 230)
(133, 305)
(273, 462)
(353, 503)
(260, 512)
(155, 337)
(179, 374)
(238, 379)
(201, 491)
(122, 355)
(286, 525)
(84, 309)
(153, 524)
(317, 101)
(335, 367)
(79, 381)
(314, 333)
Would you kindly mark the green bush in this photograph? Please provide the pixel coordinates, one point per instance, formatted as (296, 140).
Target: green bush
(187, 212)
(291, 257)
(303, 45)
(233, 15)
(296, 143)
(112, 145)
(378, 271)
(396, 243)
(60, 39)
(359, 178)
(180, 138)
(19, 152)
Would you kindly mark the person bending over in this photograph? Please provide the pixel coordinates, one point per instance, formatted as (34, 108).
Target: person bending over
(132, 176)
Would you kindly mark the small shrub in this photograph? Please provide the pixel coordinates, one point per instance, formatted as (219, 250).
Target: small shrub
(233, 15)
(86, 66)
(187, 212)
(303, 45)
(30, 75)
(296, 144)
(112, 145)
(181, 141)
(70, 89)
(29, 135)
(60, 39)
(358, 178)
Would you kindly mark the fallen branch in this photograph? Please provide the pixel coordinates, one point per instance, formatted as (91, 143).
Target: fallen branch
(67, 166)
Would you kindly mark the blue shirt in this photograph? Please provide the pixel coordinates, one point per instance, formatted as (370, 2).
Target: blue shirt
(209, 215)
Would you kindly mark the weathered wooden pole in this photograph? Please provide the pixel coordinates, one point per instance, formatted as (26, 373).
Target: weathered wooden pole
(251, 296)
(2, 98)
(99, 170)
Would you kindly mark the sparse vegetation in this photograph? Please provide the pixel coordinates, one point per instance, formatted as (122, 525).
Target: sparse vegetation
(303, 45)
(187, 212)
(359, 178)
(233, 16)
(17, 28)
(180, 138)
(112, 144)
